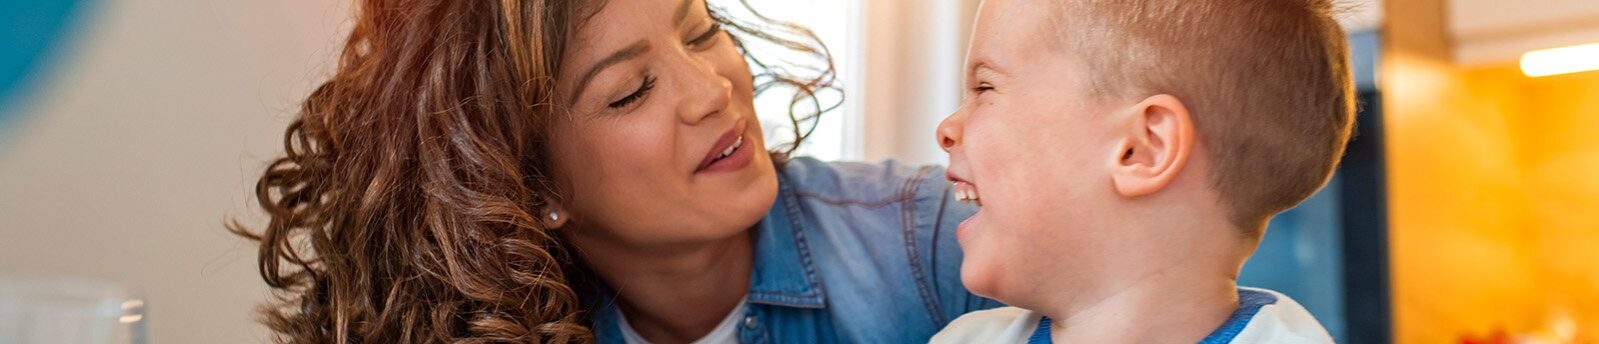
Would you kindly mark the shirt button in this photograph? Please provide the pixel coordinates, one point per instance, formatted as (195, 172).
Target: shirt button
(749, 321)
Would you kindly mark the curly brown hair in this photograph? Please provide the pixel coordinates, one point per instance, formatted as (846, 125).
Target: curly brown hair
(402, 209)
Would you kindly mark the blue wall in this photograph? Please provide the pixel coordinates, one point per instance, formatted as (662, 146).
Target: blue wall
(31, 38)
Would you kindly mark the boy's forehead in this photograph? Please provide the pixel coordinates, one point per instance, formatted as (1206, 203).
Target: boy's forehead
(1016, 26)
(1011, 33)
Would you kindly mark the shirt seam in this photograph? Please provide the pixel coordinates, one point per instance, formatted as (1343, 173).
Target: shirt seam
(908, 213)
(794, 216)
(850, 202)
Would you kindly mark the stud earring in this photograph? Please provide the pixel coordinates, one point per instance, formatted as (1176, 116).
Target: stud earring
(555, 216)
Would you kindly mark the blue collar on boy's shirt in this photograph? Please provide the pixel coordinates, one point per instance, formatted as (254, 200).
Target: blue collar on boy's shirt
(784, 274)
(1249, 303)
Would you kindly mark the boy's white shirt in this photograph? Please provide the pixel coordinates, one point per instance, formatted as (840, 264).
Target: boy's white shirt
(1283, 321)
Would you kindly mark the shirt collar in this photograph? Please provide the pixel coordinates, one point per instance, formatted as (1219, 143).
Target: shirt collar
(1250, 301)
(784, 273)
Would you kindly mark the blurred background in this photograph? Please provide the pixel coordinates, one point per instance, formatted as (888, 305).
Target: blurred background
(1467, 210)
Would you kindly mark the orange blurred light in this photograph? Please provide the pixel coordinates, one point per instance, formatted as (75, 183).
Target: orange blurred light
(1566, 60)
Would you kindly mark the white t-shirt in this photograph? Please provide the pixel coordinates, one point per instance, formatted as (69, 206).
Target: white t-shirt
(725, 332)
(1263, 316)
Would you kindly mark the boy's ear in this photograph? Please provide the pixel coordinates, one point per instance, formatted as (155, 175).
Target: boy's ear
(1158, 141)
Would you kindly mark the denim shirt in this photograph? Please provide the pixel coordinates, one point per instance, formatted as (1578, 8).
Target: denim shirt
(850, 253)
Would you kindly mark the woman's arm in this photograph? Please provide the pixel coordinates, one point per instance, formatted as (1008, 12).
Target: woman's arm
(940, 214)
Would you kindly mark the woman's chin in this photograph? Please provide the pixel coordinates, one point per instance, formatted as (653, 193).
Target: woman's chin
(735, 205)
(753, 199)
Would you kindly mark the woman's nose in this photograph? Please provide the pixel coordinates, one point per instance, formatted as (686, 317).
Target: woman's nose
(708, 92)
(949, 131)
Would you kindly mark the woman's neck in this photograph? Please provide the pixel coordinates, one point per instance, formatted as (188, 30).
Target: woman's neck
(674, 295)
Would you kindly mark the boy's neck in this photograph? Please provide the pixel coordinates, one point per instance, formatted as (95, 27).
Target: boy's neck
(1166, 306)
(1179, 288)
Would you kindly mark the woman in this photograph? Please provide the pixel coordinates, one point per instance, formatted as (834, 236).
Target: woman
(547, 170)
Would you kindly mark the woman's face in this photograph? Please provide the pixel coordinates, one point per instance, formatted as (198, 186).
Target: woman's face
(659, 143)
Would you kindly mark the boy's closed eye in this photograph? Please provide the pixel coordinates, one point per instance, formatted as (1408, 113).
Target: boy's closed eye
(983, 77)
(982, 87)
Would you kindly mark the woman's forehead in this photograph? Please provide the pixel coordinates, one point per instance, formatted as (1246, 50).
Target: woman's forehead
(618, 26)
(616, 23)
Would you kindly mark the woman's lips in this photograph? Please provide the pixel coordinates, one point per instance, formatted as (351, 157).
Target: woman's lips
(730, 152)
(737, 157)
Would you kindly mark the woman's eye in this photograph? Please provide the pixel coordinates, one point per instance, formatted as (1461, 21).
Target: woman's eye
(982, 87)
(643, 89)
(707, 37)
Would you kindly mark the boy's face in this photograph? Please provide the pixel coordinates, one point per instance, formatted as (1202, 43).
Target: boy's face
(1036, 149)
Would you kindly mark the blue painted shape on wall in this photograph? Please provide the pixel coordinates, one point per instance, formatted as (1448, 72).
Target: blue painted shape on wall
(30, 32)
(1302, 257)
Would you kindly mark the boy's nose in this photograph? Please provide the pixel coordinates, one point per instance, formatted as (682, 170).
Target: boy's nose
(949, 132)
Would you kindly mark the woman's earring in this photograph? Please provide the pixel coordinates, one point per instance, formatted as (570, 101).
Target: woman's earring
(555, 216)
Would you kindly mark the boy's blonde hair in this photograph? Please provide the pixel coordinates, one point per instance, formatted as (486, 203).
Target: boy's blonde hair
(1268, 83)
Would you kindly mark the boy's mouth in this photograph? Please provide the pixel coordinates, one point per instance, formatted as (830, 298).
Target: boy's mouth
(965, 192)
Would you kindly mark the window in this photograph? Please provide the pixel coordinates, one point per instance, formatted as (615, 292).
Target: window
(838, 133)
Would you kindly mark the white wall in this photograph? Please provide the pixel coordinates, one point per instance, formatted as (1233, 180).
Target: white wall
(1487, 31)
(145, 136)
(914, 54)
(1359, 15)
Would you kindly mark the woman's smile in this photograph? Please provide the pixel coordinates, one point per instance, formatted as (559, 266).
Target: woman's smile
(728, 153)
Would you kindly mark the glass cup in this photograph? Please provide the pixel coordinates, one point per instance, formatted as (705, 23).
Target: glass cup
(69, 310)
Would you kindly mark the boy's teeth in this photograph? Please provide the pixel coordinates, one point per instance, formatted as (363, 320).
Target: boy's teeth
(966, 192)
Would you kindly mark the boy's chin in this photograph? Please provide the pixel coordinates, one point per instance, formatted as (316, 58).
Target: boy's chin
(980, 279)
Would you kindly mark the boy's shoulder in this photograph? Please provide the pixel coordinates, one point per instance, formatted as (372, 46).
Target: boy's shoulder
(999, 325)
(1267, 316)
(1263, 316)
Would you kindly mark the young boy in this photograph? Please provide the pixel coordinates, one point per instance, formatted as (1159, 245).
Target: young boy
(1126, 156)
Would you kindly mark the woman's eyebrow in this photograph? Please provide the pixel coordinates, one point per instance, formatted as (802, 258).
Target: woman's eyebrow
(630, 52)
(682, 11)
